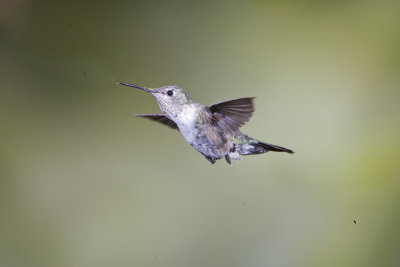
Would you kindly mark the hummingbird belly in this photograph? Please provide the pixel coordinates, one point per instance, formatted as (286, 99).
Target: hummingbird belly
(203, 138)
(197, 137)
(204, 145)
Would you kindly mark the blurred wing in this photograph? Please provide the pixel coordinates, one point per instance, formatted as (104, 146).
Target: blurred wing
(159, 118)
(231, 115)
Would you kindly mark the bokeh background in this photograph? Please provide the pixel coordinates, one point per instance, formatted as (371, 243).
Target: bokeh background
(84, 184)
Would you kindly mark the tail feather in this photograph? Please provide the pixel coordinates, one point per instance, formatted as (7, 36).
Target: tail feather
(253, 146)
(275, 148)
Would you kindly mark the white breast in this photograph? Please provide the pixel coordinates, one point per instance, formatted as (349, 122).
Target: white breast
(186, 122)
(188, 115)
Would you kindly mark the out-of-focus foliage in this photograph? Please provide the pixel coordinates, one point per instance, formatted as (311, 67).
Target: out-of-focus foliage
(84, 184)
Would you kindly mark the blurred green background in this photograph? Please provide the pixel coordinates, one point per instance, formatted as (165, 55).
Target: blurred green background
(84, 184)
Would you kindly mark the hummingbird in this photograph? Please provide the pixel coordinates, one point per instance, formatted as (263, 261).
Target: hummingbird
(211, 130)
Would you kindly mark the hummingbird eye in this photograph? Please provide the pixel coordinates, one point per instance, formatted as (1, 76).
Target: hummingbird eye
(170, 92)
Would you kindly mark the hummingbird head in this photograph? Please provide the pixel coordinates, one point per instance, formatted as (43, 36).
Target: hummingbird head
(170, 98)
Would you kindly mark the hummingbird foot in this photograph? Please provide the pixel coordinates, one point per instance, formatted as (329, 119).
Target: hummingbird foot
(228, 159)
(211, 159)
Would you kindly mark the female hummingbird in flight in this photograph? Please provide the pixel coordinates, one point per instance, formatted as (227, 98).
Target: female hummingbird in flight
(211, 130)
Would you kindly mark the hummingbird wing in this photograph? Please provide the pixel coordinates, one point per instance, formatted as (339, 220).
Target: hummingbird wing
(161, 118)
(231, 115)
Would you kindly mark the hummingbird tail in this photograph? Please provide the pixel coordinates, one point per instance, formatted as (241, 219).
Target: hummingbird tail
(275, 148)
(258, 147)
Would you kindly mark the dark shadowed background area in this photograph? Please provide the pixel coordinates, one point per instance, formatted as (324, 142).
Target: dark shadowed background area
(84, 184)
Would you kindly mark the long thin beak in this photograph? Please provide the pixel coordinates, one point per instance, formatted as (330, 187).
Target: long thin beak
(139, 87)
